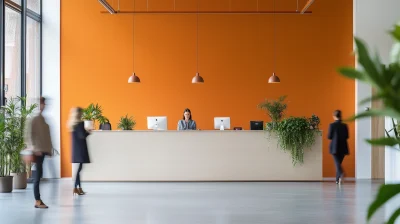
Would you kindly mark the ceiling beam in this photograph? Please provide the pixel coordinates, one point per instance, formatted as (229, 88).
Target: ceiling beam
(210, 12)
(306, 6)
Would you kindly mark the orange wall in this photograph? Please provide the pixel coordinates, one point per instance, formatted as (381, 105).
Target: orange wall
(235, 59)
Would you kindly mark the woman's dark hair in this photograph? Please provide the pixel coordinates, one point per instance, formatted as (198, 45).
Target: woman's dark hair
(187, 110)
(337, 114)
(42, 100)
(79, 110)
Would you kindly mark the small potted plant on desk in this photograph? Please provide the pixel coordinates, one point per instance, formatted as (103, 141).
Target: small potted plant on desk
(90, 115)
(126, 123)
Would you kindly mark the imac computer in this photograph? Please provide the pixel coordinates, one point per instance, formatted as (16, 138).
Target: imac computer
(157, 123)
(256, 125)
(222, 123)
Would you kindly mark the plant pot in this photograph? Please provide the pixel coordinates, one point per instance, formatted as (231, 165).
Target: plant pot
(20, 180)
(6, 184)
(89, 125)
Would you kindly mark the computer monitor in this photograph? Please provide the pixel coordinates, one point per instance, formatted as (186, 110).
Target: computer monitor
(225, 121)
(256, 125)
(157, 123)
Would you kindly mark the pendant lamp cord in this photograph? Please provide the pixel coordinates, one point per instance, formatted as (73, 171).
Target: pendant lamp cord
(197, 39)
(274, 36)
(133, 37)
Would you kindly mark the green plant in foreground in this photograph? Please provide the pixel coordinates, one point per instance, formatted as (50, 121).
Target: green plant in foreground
(126, 123)
(12, 126)
(386, 80)
(295, 135)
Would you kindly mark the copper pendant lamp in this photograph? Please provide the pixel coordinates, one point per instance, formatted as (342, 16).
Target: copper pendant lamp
(197, 79)
(274, 78)
(133, 78)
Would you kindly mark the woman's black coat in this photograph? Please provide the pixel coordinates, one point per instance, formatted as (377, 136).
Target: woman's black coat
(80, 152)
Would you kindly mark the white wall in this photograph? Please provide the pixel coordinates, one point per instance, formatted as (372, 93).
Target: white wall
(372, 20)
(51, 80)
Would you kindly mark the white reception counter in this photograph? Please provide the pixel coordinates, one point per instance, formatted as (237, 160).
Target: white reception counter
(195, 156)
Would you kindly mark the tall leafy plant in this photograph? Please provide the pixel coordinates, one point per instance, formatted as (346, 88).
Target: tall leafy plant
(275, 110)
(4, 154)
(13, 118)
(16, 114)
(386, 80)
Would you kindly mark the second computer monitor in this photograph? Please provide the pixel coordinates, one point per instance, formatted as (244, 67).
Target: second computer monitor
(157, 123)
(256, 125)
(225, 121)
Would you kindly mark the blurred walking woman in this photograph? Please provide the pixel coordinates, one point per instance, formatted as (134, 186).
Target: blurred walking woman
(80, 152)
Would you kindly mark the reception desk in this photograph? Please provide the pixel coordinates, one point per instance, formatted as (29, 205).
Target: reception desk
(195, 156)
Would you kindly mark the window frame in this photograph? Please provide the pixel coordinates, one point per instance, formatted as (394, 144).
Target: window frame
(25, 13)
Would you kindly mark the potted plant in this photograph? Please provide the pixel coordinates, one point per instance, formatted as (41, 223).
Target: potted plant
(295, 134)
(314, 122)
(386, 80)
(16, 114)
(126, 123)
(6, 180)
(91, 114)
(275, 110)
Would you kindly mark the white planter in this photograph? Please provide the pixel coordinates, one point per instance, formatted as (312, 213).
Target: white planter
(89, 125)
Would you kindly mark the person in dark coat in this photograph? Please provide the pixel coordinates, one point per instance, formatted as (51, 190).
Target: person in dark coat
(338, 134)
(80, 152)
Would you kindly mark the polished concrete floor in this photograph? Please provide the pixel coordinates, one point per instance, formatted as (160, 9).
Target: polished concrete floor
(192, 203)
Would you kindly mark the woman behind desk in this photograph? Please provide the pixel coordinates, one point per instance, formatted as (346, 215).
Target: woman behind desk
(186, 123)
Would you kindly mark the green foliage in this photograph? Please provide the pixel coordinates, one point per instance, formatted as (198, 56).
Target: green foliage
(126, 123)
(294, 135)
(275, 110)
(385, 193)
(12, 126)
(102, 120)
(386, 80)
(314, 122)
(92, 112)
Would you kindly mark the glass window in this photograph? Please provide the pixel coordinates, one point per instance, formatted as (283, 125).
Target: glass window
(32, 61)
(12, 53)
(33, 5)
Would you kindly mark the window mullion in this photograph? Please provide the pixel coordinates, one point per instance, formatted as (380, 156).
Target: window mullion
(23, 47)
(2, 52)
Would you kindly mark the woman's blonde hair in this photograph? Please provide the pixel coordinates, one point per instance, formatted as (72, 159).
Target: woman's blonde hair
(75, 116)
